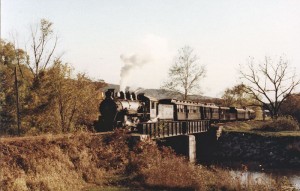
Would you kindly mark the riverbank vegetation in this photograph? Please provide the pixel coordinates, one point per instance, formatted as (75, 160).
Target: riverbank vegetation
(281, 126)
(94, 161)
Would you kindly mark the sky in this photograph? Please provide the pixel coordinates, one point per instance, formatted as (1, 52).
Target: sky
(98, 37)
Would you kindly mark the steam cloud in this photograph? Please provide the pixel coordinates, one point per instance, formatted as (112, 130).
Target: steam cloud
(145, 65)
(130, 63)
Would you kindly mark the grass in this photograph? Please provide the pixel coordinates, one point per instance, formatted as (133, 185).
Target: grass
(255, 127)
(106, 162)
(282, 123)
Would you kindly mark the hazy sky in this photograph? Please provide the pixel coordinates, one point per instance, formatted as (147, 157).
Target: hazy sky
(94, 34)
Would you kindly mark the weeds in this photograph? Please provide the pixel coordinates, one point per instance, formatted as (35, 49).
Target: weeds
(74, 162)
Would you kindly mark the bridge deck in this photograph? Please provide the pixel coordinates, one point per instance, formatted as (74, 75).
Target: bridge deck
(164, 129)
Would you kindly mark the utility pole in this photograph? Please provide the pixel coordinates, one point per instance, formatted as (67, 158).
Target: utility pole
(0, 19)
(17, 101)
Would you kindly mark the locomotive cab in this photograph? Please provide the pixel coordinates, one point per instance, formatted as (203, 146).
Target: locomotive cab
(150, 106)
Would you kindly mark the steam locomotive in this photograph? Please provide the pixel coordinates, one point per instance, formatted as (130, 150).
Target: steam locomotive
(127, 109)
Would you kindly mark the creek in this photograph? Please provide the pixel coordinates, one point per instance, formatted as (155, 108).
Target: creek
(254, 156)
(258, 173)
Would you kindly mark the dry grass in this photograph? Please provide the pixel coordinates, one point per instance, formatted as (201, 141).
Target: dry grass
(166, 171)
(257, 127)
(77, 162)
(242, 125)
(48, 163)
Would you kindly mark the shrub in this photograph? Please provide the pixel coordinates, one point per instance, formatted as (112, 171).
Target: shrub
(282, 123)
(291, 106)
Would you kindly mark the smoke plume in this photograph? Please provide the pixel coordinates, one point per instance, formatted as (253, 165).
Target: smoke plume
(146, 64)
(130, 63)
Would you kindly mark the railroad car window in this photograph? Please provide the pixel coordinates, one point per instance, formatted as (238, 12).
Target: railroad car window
(191, 110)
(178, 108)
(181, 108)
(195, 109)
(152, 105)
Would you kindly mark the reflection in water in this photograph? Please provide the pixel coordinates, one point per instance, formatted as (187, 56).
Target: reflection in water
(292, 176)
(246, 171)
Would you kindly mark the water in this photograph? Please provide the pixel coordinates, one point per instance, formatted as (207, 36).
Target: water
(246, 171)
(292, 175)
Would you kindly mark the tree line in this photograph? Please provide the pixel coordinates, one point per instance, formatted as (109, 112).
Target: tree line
(52, 98)
(41, 93)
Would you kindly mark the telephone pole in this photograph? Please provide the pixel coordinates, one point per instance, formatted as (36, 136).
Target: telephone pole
(17, 101)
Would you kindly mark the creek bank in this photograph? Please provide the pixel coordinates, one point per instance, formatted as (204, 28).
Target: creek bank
(250, 148)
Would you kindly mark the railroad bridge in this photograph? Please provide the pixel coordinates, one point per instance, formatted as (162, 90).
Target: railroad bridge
(189, 138)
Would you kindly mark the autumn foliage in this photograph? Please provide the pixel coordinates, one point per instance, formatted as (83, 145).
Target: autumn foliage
(55, 100)
(85, 160)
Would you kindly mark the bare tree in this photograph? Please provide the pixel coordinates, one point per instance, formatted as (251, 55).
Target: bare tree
(185, 73)
(43, 46)
(270, 82)
(21, 56)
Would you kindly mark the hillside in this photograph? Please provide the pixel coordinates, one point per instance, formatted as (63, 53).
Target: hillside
(157, 93)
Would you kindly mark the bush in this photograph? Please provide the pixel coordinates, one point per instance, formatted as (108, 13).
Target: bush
(291, 106)
(283, 123)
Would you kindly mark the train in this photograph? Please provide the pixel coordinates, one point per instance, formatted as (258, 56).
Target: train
(120, 109)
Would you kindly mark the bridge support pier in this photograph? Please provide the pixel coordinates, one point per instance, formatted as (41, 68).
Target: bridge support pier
(191, 147)
(184, 145)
